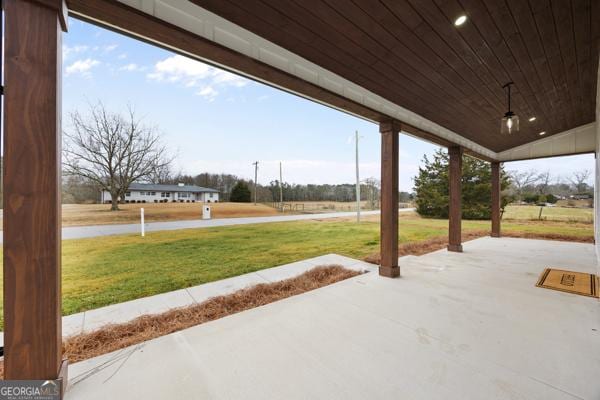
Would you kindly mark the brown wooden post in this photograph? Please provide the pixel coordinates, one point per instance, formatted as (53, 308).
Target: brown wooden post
(390, 132)
(454, 199)
(496, 199)
(32, 176)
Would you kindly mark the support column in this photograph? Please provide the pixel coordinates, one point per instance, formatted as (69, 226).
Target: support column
(32, 176)
(496, 203)
(455, 199)
(390, 132)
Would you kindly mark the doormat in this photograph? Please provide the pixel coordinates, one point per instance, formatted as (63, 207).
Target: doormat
(570, 282)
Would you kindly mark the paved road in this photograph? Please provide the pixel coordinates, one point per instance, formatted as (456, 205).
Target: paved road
(80, 232)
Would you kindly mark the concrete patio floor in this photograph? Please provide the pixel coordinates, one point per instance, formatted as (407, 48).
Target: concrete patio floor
(455, 326)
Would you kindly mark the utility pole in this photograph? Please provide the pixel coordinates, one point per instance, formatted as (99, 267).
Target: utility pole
(255, 163)
(357, 182)
(280, 187)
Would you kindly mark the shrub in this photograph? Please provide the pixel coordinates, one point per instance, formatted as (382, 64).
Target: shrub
(531, 198)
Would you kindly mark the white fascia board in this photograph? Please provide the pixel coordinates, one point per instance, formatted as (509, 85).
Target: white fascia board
(210, 26)
(581, 139)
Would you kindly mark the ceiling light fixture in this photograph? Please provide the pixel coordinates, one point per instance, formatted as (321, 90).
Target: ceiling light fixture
(510, 122)
(542, 133)
(460, 20)
(531, 119)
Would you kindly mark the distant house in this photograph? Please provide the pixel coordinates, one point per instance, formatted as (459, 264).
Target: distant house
(150, 193)
(581, 196)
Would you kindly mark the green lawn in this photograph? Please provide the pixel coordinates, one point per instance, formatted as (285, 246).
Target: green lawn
(113, 269)
(549, 213)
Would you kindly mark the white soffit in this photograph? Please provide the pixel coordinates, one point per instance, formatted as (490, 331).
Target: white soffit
(203, 23)
(581, 139)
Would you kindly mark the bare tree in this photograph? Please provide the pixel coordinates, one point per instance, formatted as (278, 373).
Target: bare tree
(162, 174)
(372, 191)
(544, 182)
(112, 150)
(520, 180)
(579, 180)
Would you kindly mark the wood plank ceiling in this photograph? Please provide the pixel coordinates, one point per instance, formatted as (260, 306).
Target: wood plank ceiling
(410, 52)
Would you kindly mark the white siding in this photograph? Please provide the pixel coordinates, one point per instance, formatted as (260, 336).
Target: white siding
(209, 197)
(581, 139)
(150, 196)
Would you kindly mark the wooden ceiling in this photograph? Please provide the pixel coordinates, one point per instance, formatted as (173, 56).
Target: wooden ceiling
(410, 52)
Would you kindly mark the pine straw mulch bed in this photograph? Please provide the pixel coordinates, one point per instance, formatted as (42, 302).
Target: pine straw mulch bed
(117, 336)
(427, 246)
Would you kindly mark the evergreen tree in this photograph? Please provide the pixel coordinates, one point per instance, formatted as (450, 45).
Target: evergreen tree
(552, 199)
(431, 187)
(240, 193)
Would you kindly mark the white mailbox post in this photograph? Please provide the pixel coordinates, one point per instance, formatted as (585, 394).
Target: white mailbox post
(205, 212)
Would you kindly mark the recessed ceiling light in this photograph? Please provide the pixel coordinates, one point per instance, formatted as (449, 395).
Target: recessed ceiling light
(542, 133)
(460, 20)
(531, 119)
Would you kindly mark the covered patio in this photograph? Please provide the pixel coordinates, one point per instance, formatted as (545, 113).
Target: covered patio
(456, 326)
(462, 323)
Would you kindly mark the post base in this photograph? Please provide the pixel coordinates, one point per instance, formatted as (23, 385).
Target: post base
(63, 376)
(457, 248)
(495, 235)
(389, 272)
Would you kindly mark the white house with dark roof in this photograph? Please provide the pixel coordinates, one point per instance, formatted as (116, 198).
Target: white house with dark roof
(150, 193)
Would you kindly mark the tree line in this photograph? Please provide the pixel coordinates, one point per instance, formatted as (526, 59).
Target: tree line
(78, 189)
(532, 186)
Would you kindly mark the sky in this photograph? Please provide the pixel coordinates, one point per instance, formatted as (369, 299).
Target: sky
(218, 122)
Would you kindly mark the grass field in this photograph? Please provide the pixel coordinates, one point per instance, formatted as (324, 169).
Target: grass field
(100, 214)
(582, 203)
(323, 206)
(514, 212)
(113, 269)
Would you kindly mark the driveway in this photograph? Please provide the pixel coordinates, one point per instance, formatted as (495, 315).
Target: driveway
(81, 232)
